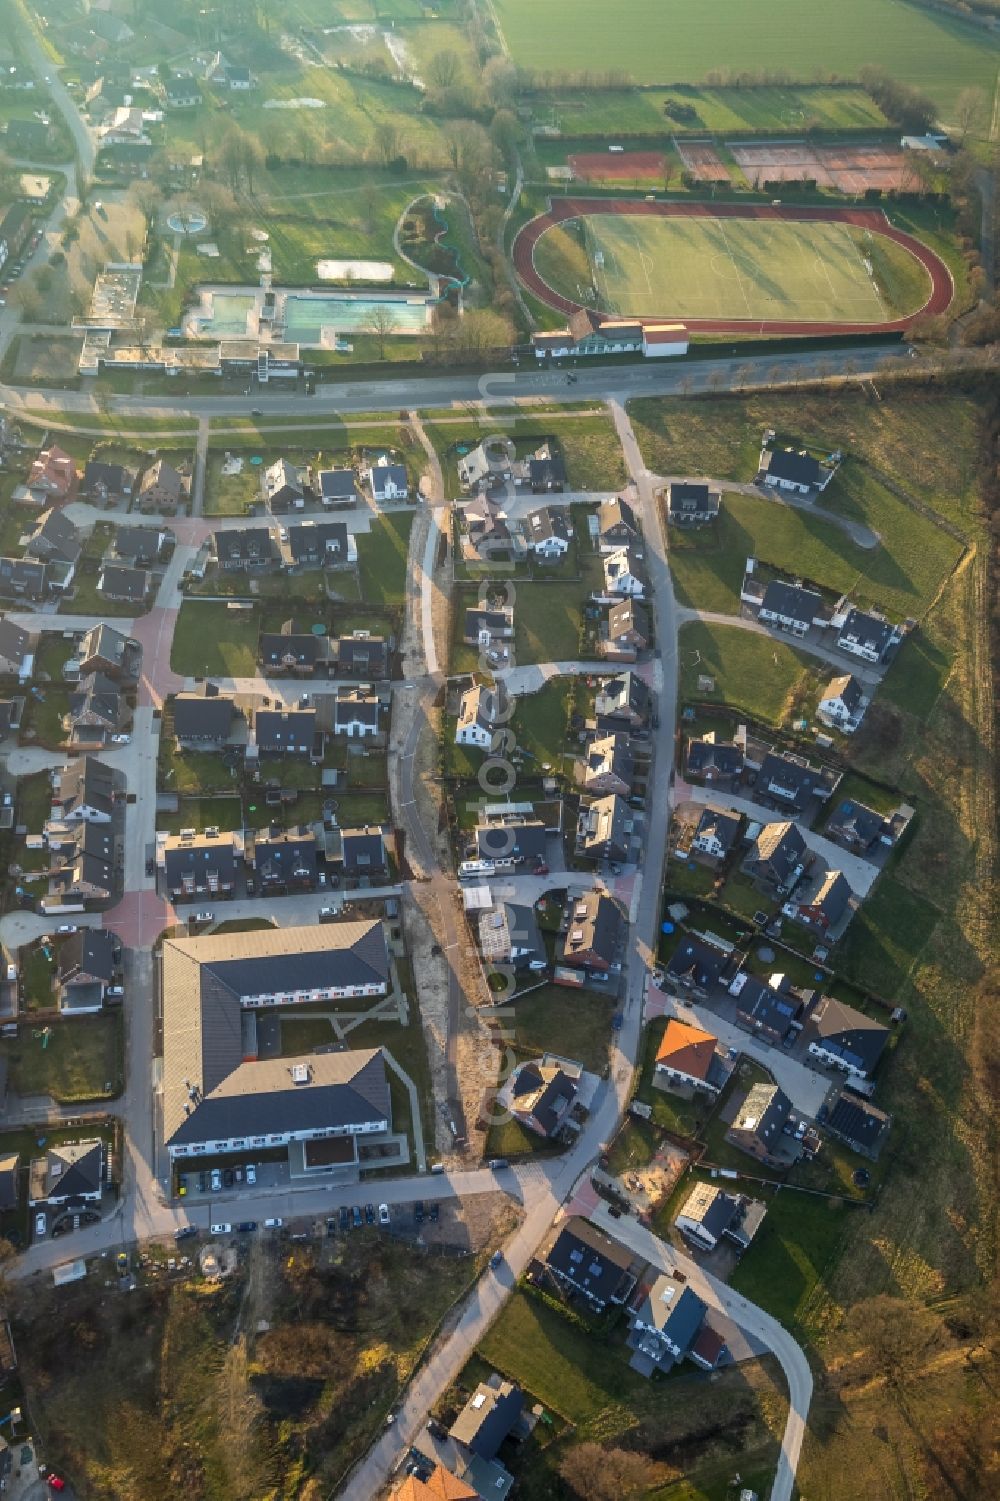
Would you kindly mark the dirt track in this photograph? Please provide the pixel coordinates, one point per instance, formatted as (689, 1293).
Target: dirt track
(874, 220)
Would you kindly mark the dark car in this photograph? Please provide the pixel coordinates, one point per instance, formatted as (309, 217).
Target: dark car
(345, 1218)
(369, 1214)
(418, 1212)
(435, 1213)
(202, 1182)
(356, 1216)
(331, 1225)
(247, 1227)
(228, 1177)
(185, 1232)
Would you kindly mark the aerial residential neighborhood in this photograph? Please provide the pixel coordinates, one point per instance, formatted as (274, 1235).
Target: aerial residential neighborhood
(498, 665)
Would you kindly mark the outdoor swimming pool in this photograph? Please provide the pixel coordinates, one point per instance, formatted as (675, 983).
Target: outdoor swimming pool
(306, 317)
(230, 314)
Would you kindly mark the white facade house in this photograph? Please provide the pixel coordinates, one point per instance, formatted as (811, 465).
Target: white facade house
(621, 574)
(868, 637)
(388, 481)
(478, 716)
(546, 532)
(843, 704)
(662, 340)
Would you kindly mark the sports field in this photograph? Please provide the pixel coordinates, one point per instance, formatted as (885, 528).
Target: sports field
(682, 41)
(749, 269)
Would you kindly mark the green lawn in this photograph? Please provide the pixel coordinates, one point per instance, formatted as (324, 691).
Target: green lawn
(792, 1253)
(303, 1034)
(886, 938)
(603, 112)
(223, 813)
(540, 721)
(382, 559)
(210, 640)
(34, 801)
(574, 1023)
(37, 973)
(229, 494)
(44, 716)
(653, 41)
(753, 673)
(901, 574)
(83, 1056)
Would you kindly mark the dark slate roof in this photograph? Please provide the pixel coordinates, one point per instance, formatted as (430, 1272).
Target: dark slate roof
(688, 499)
(186, 858)
(698, 962)
(85, 780)
(362, 850)
(792, 602)
(26, 573)
(382, 473)
(83, 1172)
(839, 1028)
(596, 924)
(671, 1308)
(627, 615)
(723, 824)
(264, 1097)
(611, 754)
(626, 691)
(869, 630)
(203, 716)
(301, 647)
(105, 641)
(281, 479)
(781, 846)
(117, 582)
(722, 756)
(510, 841)
(608, 821)
(316, 539)
(163, 476)
(244, 544)
(847, 689)
(14, 642)
(114, 478)
(338, 484)
(855, 1119)
(773, 1008)
(591, 1261)
(487, 1418)
(138, 542)
(797, 781)
(368, 656)
(617, 512)
(356, 708)
(553, 1098)
(544, 523)
(831, 896)
(91, 951)
(710, 1207)
(547, 471)
(856, 823)
(285, 856)
(98, 695)
(786, 463)
(281, 729)
(56, 537)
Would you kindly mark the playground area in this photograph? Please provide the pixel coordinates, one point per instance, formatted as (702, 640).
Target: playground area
(727, 267)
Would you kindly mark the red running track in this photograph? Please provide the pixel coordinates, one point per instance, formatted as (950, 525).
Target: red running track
(942, 287)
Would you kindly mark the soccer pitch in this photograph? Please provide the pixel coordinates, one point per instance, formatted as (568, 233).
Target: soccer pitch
(749, 269)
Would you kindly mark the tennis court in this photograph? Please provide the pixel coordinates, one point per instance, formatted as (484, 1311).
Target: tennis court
(846, 168)
(618, 166)
(753, 270)
(701, 160)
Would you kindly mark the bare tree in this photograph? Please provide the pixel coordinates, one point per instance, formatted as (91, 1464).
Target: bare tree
(385, 142)
(444, 69)
(381, 322)
(970, 109)
(594, 1473)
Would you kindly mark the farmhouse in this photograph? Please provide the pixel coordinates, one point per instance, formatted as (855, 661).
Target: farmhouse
(844, 1038)
(692, 504)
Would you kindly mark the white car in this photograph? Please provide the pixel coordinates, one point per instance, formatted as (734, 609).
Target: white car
(251, 1173)
(383, 1214)
(224, 1228)
(205, 916)
(67, 927)
(273, 1224)
(121, 739)
(216, 1179)
(41, 1225)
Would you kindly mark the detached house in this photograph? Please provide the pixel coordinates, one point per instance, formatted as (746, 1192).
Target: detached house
(314, 544)
(282, 486)
(23, 578)
(868, 637)
(688, 1062)
(594, 937)
(55, 540)
(72, 1173)
(546, 471)
(690, 504)
(363, 855)
(666, 1318)
(716, 832)
(771, 1009)
(858, 1123)
(203, 719)
(284, 732)
(547, 532)
(710, 1215)
(623, 573)
(338, 487)
(85, 791)
(161, 488)
(16, 654)
(96, 708)
(524, 842)
(625, 630)
(356, 714)
(821, 902)
(604, 829)
(88, 965)
(857, 827)
(695, 966)
(609, 766)
(617, 525)
(792, 782)
(485, 626)
(796, 472)
(291, 650)
(141, 546)
(622, 702)
(360, 655)
(107, 483)
(717, 763)
(481, 711)
(542, 1096)
(509, 934)
(790, 607)
(245, 549)
(388, 481)
(760, 1123)
(585, 1261)
(130, 585)
(52, 475)
(843, 704)
(844, 1038)
(779, 856)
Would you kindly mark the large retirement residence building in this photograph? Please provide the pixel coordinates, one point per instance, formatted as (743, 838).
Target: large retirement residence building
(217, 1098)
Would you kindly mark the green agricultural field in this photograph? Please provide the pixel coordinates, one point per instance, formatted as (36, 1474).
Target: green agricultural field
(746, 269)
(679, 41)
(602, 112)
(754, 673)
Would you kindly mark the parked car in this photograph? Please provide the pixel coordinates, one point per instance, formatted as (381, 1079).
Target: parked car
(435, 1213)
(228, 1177)
(216, 1180)
(68, 927)
(56, 1483)
(383, 1214)
(205, 916)
(345, 1218)
(222, 1228)
(496, 1259)
(418, 1212)
(356, 1217)
(41, 1224)
(274, 1224)
(251, 1173)
(247, 1227)
(121, 739)
(369, 1214)
(185, 1232)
